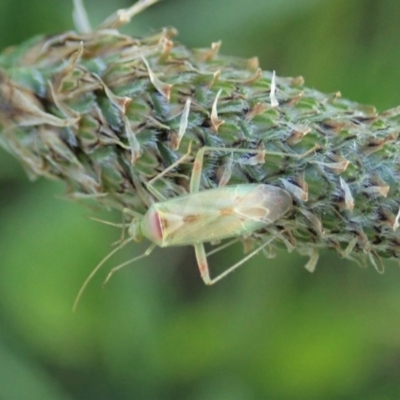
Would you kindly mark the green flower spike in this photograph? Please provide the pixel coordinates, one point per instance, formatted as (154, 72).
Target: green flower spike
(107, 113)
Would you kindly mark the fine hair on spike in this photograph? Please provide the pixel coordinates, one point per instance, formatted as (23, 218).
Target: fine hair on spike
(274, 101)
(114, 21)
(124, 16)
(80, 17)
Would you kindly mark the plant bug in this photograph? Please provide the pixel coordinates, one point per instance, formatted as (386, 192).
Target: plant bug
(199, 217)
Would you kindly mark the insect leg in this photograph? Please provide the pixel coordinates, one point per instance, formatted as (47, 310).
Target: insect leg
(198, 161)
(201, 257)
(149, 184)
(132, 213)
(132, 260)
(203, 264)
(222, 247)
(102, 221)
(121, 225)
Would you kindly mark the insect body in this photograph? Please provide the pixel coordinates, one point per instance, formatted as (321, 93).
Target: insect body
(204, 216)
(214, 214)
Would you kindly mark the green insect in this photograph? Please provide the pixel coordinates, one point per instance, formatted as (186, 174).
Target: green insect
(204, 216)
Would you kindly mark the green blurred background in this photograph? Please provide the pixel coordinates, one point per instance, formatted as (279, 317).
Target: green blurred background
(269, 331)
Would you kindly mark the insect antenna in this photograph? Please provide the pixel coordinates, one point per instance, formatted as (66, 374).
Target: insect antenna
(93, 273)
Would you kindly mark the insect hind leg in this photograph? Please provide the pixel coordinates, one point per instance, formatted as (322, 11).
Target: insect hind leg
(202, 262)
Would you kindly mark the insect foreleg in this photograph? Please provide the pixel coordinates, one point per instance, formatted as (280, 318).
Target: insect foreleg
(122, 225)
(102, 221)
(128, 211)
(124, 264)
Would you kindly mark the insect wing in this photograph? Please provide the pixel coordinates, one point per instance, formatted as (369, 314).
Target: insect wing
(264, 204)
(220, 213)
